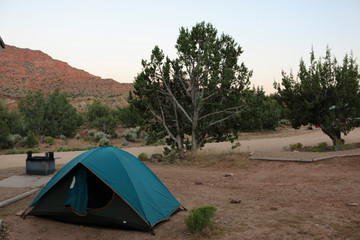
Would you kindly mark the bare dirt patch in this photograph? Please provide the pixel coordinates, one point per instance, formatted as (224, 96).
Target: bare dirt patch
(279, 200)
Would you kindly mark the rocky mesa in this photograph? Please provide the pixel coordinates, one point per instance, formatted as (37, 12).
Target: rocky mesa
(23, 70)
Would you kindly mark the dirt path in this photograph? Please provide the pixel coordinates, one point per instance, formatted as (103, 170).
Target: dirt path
(270, 145)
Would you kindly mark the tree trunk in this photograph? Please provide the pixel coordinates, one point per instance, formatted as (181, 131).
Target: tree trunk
(334, 134)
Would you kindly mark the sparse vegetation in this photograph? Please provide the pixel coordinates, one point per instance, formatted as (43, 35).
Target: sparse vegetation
(143, 157)
(200, 218)
(49, 140)
(104, 142)
(295, 147)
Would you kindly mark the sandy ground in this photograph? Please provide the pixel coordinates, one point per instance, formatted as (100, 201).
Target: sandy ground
(279, 200)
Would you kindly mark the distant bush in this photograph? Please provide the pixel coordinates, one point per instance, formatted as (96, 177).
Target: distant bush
(49, 140)
(116, 135)
(92, 133)
(321, 147)
(78, 136)
(88, 138)
(64, 138)
(13, 139)
(295, 147)
(99, 135)
(11, 151)
(31, 141)
(154, 138)
(104, 142)
(124, 142)
(132, 134)
(200, 218)
(143, 157)
(63, 149)
(170, 154)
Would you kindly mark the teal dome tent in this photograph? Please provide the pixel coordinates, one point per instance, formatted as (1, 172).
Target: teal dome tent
(109, 187)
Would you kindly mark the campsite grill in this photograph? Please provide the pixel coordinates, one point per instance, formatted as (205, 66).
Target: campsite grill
(39, 165)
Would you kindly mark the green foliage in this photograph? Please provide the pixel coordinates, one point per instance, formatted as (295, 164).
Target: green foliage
(132, 134)
(64, 138)
(125, 143)
(88, 138)
(143, 157)
(92, 133)
(116, 135)
(49, 140)
(154, 138)
(13, 139)
(295, 147)
(101, 117)
(321, 147)
(99, 135)
(128, 116)
(236, 145)
(200, 218)
(325, 94)
(50, 115)
(104, 142)
(78, 136)
(4, 125)
(31, 140)
(171, 154)
(262, 112)
(196, 94)
(63, 149)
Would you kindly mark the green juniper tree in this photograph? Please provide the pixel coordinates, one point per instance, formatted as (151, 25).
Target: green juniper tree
(196, 94)
(325, 94)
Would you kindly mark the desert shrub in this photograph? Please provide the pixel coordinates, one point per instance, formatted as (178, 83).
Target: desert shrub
(104, 142)
(49, 140)
(321, 147)
(91, 133)
(154, 138)
(143, 157)
(341, 146)
(99, 135)
(88, 138)
(115, 135)
(200, 218)
(13, 139)
(31, 141)
(125, 142)
(170, 154)
(63, 149)
(77, 136)
(295, 147)
(132, 134)
(11, 151)
(33, 150)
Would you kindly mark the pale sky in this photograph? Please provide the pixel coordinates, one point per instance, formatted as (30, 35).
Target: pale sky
(109, 38)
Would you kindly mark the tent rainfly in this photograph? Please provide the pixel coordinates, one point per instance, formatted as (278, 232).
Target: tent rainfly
(107, 187)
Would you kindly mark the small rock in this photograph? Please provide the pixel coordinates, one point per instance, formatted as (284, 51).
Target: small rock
(352, 204)
(199, 182)
(229, 175)
(274, 208)
(234, 201)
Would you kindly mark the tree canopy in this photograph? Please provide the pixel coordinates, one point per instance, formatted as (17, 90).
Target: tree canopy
(101, 117)
(50, 115)
(197, 93)
(325, 94)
